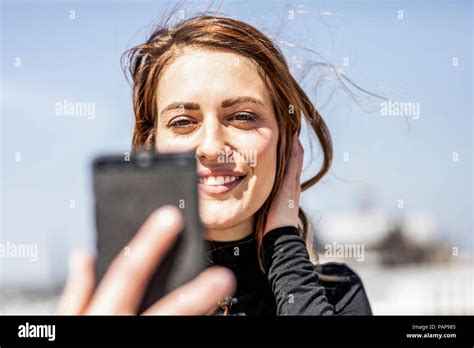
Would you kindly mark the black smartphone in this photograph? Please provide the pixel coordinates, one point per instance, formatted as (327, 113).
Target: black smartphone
(128, 188)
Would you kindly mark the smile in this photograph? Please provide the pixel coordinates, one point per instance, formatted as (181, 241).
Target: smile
(217, 184)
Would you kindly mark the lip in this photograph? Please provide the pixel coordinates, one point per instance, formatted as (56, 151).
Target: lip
(220, 189)
(203, 173)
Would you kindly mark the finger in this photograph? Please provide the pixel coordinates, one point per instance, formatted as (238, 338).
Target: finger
(292, 166)
(79, 286)
(296, 161)
(198, 297)
(300, 156)
(124, 284)
(299, 167)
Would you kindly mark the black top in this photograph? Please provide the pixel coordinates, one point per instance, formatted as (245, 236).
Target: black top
(290, 284)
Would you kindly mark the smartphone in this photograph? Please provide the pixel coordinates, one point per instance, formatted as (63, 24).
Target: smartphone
(127, 190)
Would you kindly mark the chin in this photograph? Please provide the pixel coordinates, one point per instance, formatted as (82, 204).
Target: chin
(221, 219)
(218, 216)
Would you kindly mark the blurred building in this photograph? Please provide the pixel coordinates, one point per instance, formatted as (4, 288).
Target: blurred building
(413, 238)
(406, 267)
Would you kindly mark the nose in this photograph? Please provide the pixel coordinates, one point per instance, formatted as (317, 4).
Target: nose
(212, 140)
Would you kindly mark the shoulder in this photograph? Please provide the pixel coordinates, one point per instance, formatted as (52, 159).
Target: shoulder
(344, 289)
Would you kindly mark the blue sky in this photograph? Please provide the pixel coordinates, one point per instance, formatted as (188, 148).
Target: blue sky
(407, 59)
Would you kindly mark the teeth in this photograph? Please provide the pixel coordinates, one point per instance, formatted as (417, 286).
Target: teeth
(217, 180)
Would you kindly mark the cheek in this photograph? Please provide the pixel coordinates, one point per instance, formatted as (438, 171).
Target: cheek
(166, 141)
(264, 147)
(265, 168)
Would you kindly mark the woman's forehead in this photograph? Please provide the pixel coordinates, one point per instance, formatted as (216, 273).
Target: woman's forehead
(202, 73)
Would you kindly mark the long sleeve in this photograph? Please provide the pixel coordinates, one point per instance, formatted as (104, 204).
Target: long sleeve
(291, 274)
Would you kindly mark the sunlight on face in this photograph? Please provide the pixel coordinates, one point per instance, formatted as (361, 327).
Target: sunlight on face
(215, 103)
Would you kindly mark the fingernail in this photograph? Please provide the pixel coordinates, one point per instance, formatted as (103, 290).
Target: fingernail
(168, 216)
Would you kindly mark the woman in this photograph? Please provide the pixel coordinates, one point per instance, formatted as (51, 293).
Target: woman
(220, 88)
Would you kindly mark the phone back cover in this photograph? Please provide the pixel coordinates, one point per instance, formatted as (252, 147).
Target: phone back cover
(127, 193)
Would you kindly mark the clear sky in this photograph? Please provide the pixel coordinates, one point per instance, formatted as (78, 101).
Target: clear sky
(408, 51)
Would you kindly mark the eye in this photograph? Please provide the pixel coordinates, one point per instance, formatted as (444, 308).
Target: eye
(245, 116)
(181, 122)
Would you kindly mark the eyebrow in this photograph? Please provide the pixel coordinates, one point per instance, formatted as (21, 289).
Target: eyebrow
(236, 100)
(225, 103)
(181, 105)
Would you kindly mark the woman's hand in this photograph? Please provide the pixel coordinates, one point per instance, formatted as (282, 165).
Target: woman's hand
(124, 284)
(285, 205)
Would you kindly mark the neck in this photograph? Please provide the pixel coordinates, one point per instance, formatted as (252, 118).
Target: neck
(232, 233)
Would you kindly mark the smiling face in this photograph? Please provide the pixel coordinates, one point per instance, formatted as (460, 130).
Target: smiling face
(215, 103)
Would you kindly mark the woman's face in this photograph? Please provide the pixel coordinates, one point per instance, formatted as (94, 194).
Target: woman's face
(214, 102)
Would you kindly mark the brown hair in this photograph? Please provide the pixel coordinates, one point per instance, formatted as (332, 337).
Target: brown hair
(147, 61)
